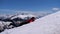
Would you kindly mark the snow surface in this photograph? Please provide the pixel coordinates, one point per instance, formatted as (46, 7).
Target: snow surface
(47, 25)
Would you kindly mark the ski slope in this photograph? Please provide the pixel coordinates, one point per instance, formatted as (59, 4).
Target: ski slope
(47, 25)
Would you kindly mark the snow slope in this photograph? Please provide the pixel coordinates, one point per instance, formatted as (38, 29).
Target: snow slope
(47, 25)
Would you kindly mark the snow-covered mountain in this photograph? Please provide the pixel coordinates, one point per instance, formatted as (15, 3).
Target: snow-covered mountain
(47, 25)
(23, 14)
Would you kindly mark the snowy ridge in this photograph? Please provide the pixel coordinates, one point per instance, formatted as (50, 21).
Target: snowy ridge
(47, 25)
(23, 16)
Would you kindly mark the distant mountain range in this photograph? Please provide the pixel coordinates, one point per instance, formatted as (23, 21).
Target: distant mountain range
(37, 15)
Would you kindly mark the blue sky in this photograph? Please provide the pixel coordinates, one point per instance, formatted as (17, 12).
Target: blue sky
(28, 5)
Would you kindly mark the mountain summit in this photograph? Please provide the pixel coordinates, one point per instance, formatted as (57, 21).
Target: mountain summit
(47, 25)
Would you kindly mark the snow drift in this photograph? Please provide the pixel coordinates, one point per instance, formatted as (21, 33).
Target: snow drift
(47, 25)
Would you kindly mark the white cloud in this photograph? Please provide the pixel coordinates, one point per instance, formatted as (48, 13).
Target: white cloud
(55, 9)
(41, 13)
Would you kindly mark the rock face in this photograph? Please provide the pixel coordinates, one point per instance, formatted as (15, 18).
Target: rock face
(47, 25)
